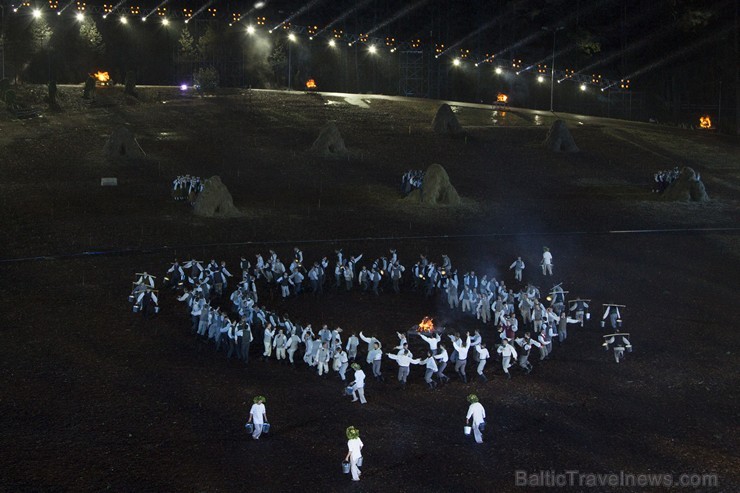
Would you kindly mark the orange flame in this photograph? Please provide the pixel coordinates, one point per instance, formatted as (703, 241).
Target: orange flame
(310, 84)
(102, 77)
(705, 122)
(426, 325)
(502, 98)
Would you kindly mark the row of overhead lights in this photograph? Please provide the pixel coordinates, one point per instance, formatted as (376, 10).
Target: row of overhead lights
(337, 34)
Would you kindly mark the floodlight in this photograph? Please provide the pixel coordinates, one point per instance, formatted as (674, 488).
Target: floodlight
(79, 16)
(332, 43)
(36, 13)
(124, 20)
(259, 5)
(291, 37)
(143, 19)
(250, 30)
(165, 21)
(583, 87)
(540, 79)
(372, 49)
(498, 70)
(456, 62)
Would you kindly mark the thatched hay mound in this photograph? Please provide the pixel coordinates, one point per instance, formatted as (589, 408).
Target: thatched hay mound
(436, 189)
(445, 121)
(330, 142)
(688, 187)
(215, 200)
(122, 144)
(559, 138)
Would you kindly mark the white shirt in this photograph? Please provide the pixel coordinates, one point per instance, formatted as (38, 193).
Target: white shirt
(547, 258)
(507, 351)
(359, 379)
(258, 413)
(462, 352)
(482, 353)
(402, 359)
(477, 412)
(355, 448)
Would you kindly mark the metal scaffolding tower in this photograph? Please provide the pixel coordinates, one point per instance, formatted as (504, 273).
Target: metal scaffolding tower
(412, 80)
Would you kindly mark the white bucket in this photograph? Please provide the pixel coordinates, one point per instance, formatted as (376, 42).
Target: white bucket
(137, 308)
(588, 316)
(249, 427)
(603, 323)
(359, 461)
(345, 467)
(156, 309)
(467, 430)
(265, 427)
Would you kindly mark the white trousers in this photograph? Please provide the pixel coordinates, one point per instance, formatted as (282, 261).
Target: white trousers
(354, 469)
(506, 363)
(257, 431)
(359, 393)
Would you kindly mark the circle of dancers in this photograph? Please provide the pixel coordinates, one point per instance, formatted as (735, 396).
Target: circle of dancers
(226, 312)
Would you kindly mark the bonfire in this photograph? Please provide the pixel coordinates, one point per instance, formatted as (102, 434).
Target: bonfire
(102, 78)
(705, 122)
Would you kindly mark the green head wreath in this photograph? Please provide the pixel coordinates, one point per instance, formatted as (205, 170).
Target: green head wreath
(353, 433)
(259, 399)
(356, 366)
(472, 398)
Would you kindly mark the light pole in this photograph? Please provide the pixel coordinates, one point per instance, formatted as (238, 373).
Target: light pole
(552, 75)
(291, 40)
(2, 36)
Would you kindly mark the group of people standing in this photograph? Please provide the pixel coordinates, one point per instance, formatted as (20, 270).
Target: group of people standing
(232, 318)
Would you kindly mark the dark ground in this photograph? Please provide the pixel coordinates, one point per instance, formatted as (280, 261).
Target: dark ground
(93, 399)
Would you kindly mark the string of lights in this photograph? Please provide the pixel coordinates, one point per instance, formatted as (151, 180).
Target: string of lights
(460, 57)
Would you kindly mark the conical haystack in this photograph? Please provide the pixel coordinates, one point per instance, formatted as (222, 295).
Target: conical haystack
(688, 187)
(122, 144)
(330, 142)
(445, 121)
(559, 138)
(215, 200)
(436, 189)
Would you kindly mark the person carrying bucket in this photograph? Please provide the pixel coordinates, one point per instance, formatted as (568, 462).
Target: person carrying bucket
(354, 452)
(258, 416)
(475, 411)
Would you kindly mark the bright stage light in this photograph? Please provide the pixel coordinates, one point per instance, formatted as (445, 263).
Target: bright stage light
(36, 13)
(332, 43)
(259, 5)
(79, 16)
(498, 70)
(540, 79)
(291, 37)
(456, 62)
(105, 16)
(583, 87)
(372, 49)
(165, 21)
(183, 87)
(124, 20)
(250, 30)
(143, 19)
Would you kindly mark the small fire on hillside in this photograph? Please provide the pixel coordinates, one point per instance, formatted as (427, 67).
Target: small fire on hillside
(102, 77)
(705, 122)
(426, 325)
(310, 84)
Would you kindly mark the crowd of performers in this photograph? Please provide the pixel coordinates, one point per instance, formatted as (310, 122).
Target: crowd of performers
(662, 179)
(186, 187)
(411, 180)
(226, 311)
